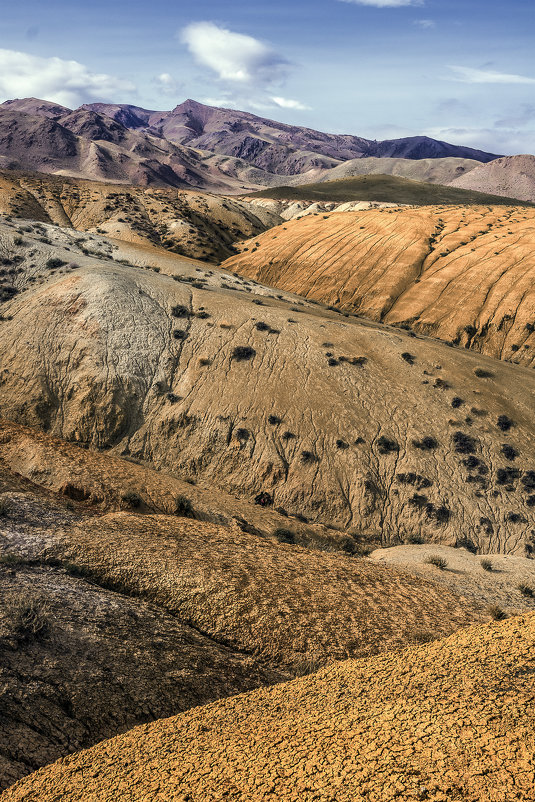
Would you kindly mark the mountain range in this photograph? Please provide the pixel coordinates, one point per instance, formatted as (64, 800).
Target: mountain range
(200, 146)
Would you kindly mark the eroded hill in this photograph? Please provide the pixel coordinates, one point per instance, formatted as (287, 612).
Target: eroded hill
(462, 274)
(198, 225)
(449, 721)
(400, 434)
(111, 619)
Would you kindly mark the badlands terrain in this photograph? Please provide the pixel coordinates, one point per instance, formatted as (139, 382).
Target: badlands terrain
(267, 462)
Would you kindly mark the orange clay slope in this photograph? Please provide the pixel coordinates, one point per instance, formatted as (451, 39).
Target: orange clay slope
(464, 274)
(450, 721)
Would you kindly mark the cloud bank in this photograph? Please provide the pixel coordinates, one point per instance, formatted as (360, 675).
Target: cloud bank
(468, 75)
(385, 3)
(66, 82)
(233, 57)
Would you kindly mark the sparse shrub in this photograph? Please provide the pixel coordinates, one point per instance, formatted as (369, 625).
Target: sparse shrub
(173, 399)
(288, 436)
(418, 500)
(456, 402)
(261, 326)
(264, 499)
(3, 508)
(54, 263)
(386, 445)
(528, 480)
(243, 352)
(132, 499)
(486, 565)
(204, 361)
(426, 443)
(180, 311)
(28, 617)
(437, 561)
(463, 443)
(342, 445)
(242, 435)
(359, 360)
(284, 535)
(513, 517)
(496, 613)
(439, 514)
(274, 420)
(332, 361)
(409, 358)
(308, 457)
(505, 476)
(526, 590)
(184, 507)
(414, 539)
(180, 334)
(8, 558)
(509, 452)
(466, 543)
(504, 423)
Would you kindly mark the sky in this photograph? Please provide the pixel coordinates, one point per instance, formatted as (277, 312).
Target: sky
(458, 70)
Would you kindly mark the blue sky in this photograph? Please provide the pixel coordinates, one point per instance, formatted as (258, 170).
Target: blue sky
(463, 71)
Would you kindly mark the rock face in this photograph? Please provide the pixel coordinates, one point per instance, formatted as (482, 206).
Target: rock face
(513, 176)
(448, 721)
(462, 274)
(400, 435)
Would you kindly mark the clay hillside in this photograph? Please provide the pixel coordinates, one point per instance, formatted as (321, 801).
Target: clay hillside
(129, 595)
(199, 225)
(382, 189)
(462, 274)
(512, 175)
(451, 720)
(402, 435)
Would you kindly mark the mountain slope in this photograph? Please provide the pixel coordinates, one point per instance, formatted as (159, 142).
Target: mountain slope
(402, 436)
(383, 189)
(90, 145)
(432, 171)
(449, 721)
(510, 175)
(464, 274)
(198, 225)
(277, 147)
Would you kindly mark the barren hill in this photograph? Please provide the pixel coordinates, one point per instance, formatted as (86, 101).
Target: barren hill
(198, 225)
(110, 620)
(451, 720)
(383, 189)
(400, 435)
(463, 274)
(432, 171)
(511, 175)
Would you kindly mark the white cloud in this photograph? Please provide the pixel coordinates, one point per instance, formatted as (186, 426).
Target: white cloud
(426, 24)
(287, 103)
(468, 75)
(67, 82)
(234, 57)
(385, 3)
(166, 84)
